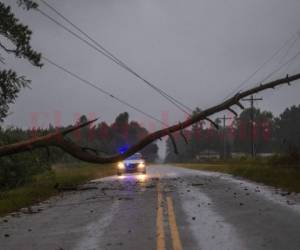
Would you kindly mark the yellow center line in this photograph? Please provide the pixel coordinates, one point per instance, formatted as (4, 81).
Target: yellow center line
(173, 225)
(160, 243)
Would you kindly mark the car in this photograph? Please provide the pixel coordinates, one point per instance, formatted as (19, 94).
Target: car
(133, 164)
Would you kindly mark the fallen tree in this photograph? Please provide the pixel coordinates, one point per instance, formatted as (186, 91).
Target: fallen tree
(57, 139)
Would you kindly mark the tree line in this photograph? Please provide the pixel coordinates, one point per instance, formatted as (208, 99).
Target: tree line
(272, 134)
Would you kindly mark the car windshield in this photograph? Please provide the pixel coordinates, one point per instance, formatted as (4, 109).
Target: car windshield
(136, 156)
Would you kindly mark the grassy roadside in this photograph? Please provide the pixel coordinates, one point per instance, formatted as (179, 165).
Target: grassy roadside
(285, 177)
(44, 185)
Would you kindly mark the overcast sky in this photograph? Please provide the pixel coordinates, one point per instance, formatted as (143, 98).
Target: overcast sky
(198, 51)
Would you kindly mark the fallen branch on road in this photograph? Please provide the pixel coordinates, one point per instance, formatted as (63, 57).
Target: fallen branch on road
(57, 139)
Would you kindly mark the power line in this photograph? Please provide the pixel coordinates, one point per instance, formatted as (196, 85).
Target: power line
(100, 48)
(102, 90)
(252, 99)
(168, 97)
(281, 66)
(289, 48)
(265, 63)
(82, 32)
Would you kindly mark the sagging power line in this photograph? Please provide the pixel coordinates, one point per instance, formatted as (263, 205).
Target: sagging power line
(282, 66)
(103, 91)
(101, 49)
(292, 40)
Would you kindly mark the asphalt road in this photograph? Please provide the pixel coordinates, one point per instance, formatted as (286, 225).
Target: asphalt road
(170, 208)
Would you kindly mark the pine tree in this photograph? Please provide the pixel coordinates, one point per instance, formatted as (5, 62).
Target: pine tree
(15, 39)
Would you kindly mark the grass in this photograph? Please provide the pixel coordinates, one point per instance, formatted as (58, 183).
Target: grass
(284, 177)
(44, 185)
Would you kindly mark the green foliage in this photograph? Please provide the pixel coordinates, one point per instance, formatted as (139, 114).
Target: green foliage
(19, 169)
(287, 128)
(45, 184)
(281, 176)
(263, 129)
(28, 4)
(122, 119)
(14, 39)
(292, 159)
(10, 85)
(18, 34)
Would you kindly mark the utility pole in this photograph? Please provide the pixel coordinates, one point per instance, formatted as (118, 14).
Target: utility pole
(224, 119)
(252, 99)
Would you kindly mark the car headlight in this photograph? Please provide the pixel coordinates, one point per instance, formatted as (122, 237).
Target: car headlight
(121, 165)
(141, 165)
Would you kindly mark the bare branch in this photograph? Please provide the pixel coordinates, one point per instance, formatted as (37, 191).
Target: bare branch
(173, 143)
(212, 122)
(7, 50)
(240, 105)
(182, 134)
(72, 129)
(233, 112)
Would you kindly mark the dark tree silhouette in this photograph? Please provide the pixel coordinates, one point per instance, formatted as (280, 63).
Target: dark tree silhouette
(14, 39)
(263, 129)
(287, 130)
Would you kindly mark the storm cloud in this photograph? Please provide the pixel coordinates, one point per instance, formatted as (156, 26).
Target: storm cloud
(198, 51)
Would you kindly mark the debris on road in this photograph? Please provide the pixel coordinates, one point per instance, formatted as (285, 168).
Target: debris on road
(76, 188)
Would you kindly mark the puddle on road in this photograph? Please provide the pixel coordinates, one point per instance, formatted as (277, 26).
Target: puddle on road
(209, 229)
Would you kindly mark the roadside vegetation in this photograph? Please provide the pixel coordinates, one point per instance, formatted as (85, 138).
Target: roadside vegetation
(277, 171)
(49, 183)
(279, 135)
(276, 144)
(28, 178)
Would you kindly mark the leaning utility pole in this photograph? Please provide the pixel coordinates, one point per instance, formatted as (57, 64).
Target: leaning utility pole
(252, 99)
(224, 119)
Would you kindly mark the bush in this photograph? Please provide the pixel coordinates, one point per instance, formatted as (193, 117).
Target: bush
(285, 159)
(19, 169)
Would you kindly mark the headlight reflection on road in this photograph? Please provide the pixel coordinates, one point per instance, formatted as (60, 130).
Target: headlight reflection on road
(139, 177)
(142, 177)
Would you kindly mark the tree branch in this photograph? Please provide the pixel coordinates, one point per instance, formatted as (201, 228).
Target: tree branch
(56, 139)
(8, 50)
(2, 59)
(212, 122)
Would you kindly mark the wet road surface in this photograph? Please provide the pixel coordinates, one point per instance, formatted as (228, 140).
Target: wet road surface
(169, 208)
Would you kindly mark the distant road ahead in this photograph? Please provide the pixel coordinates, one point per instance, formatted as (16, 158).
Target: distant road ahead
(170, 208)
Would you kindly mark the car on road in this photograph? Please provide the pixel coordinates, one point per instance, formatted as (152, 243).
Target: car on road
(133, 164)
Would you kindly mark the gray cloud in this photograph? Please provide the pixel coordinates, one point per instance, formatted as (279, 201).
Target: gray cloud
(196, 50)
